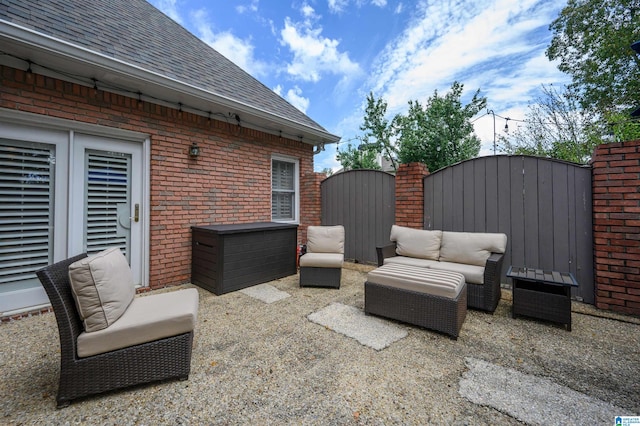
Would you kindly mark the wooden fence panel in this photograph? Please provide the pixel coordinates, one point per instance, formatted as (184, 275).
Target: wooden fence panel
(363, 201)
(544, 206)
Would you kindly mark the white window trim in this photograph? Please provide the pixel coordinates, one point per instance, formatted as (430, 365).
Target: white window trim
(296, 175)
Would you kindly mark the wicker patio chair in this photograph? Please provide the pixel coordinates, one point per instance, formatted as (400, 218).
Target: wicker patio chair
(166, 358)
(321, 265)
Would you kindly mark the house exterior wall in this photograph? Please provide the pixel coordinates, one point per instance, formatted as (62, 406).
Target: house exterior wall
(229, 182)
(616, 220)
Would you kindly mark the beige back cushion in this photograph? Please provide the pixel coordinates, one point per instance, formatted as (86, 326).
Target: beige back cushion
(472, 248)
(102, 286)
(325, 239)
(416, 242)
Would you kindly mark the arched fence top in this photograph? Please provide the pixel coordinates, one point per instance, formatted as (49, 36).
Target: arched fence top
(346, 173)
(509, 156)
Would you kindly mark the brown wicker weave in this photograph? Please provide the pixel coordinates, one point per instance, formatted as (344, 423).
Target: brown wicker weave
(425, 310)
(480, 296)
(162, 359)
(320, 277)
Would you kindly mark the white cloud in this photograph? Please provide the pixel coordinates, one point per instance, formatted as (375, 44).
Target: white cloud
(168, 7)
(307, 11)
(251, 7)
(239, 51)
(337, 6)
(399, 8)
(294, 96)
(313, 54)
(495, 45)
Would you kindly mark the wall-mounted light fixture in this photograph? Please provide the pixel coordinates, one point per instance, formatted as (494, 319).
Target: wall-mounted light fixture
(194, 150)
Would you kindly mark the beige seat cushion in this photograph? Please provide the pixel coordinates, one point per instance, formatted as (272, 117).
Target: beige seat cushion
(438, 283)
(325, 239)
(148, 318)
(411, 261)
(416, 242)
(102, 286)
(472, 274)
(471, 248)
(322, 260)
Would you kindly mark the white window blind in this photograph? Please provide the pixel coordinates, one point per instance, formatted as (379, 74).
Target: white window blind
(26, 208)
(107, 198)
(282, 190)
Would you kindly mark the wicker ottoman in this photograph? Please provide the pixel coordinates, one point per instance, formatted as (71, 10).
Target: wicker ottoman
(433, 299)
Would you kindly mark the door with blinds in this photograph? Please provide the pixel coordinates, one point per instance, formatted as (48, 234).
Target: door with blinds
(106, 205)
(27, 175)
(65, 192)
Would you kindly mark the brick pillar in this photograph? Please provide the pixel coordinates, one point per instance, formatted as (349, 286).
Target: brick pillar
(616, 226)
(410, 195)
(310, 203)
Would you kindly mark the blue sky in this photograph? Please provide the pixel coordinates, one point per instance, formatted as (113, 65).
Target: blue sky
(325, 56)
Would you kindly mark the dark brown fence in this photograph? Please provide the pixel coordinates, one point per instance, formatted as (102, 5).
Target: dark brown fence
(544, 206)
(364, 202)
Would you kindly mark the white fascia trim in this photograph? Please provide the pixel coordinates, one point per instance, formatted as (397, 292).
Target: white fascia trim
(63, 48)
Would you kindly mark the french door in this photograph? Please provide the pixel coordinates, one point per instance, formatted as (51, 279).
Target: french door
(63, 193)
(107, 198)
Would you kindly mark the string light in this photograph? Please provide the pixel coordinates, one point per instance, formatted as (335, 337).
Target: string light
(137, 94)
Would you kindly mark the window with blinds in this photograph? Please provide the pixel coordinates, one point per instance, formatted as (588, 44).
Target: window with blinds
(283, 190)
(107, 220)
(26, 208)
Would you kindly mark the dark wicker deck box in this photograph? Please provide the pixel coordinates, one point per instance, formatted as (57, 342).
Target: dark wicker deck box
(226, 258)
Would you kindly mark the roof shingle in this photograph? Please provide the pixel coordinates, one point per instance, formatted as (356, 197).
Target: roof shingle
(135, 32)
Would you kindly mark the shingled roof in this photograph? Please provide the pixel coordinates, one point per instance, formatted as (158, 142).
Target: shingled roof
(131, 44)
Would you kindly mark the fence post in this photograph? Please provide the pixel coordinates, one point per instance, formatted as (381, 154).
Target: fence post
(616, 226)
(410, 195)
(310, 203)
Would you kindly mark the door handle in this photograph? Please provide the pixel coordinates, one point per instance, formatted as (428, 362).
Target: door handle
(136, 213)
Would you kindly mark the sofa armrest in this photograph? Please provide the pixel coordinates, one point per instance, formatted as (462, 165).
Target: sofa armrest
(385, 251)
(492, 275)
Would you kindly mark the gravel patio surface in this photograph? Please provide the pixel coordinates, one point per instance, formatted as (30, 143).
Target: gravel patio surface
(266, 363)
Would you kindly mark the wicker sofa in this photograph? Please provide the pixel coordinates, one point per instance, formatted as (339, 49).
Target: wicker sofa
(477, 256)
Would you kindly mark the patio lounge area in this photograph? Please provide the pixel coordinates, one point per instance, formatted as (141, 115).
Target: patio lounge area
(258, 362)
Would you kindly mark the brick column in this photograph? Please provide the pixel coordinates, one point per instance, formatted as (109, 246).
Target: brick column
(616, 226)
(310, 203)
(410, 195)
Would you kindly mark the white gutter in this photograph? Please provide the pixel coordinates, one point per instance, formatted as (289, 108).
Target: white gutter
(72, 52)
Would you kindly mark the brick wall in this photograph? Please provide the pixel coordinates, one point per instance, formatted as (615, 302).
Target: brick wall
(616, 221)
(228, 183)
(410, 195)
(310, 203)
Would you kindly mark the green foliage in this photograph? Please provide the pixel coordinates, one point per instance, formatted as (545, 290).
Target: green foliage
(437, 134)
(353, 158)
(440, 133)
(377, 130)
(622, 127)
(592, 40)
(555, 126)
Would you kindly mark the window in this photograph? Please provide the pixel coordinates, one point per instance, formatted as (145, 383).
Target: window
(284, 190)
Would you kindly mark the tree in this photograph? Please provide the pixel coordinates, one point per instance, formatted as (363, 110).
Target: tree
(378, 130)
(440, 133)
(555, 126)
(353, 158)
(592, 39)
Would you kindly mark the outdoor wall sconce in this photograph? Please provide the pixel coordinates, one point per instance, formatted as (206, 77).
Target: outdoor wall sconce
(194, 150)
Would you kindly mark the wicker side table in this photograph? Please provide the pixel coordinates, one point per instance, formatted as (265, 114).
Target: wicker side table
(542, 294)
